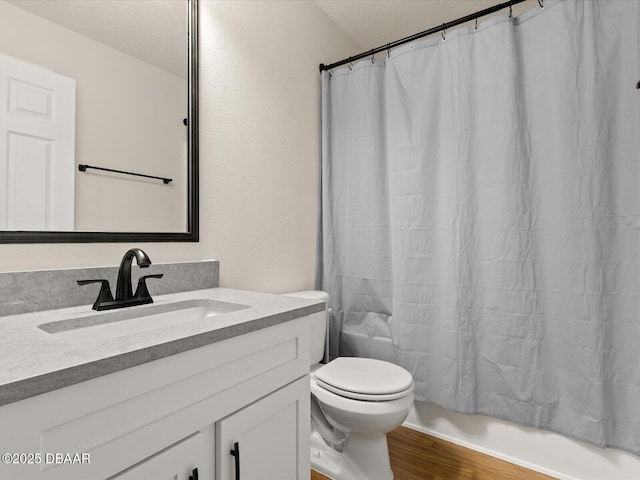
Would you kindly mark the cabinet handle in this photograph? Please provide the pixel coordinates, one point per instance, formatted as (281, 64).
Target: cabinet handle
(194, 474)
(236, 453)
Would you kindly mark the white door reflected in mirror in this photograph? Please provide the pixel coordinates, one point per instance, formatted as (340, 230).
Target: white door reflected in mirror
(37, 147)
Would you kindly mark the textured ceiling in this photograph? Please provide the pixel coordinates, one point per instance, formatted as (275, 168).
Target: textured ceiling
(374, 23)
(154, 31)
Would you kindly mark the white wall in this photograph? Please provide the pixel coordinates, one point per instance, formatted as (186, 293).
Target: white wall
(259, 139)
(262, 106)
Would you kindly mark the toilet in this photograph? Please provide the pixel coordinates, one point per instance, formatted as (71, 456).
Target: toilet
(355, 402)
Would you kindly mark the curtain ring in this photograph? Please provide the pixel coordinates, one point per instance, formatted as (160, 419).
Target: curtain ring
(388, 51)
(476, 28)
(372, 58)
(330, 73)
(510, 10)
(443, 33)
(350, 66)
(541, 3)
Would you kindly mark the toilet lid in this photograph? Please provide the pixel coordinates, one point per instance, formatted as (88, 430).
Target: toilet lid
(364, 379)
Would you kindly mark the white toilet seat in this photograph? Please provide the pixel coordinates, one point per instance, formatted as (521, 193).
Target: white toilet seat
(365, 379)
(364, 397)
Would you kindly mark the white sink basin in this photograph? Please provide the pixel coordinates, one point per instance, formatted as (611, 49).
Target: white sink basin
(116, 323)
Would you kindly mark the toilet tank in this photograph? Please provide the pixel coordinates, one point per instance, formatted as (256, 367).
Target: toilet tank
(318, 324)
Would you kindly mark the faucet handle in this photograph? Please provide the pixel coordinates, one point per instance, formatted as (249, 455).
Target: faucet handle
(105, 292)
(142, 291)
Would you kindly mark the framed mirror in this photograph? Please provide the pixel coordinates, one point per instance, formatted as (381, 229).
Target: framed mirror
(99, 142)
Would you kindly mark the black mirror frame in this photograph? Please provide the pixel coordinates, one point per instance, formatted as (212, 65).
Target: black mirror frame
(193, 231)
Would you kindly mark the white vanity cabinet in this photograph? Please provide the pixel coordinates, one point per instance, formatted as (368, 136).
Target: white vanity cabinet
(167, 417)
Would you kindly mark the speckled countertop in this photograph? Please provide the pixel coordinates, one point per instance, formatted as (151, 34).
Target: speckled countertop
(33, 361)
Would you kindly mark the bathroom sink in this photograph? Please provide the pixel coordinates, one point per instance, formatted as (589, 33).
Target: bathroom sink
(116, 323)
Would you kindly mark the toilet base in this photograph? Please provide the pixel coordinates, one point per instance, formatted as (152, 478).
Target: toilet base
(324, 459)
(365, 455)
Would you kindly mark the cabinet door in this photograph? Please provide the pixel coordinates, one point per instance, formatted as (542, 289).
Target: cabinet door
(176, 462)
(267, 440)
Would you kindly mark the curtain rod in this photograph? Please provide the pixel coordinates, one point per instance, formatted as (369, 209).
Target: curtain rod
(444, 26)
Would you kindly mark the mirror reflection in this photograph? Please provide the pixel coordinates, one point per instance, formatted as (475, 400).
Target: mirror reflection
(99, 83)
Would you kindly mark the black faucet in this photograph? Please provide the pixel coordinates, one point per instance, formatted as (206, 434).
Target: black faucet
(124, 291)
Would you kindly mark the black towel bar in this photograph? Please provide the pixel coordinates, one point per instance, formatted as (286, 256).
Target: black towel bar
(83, 168)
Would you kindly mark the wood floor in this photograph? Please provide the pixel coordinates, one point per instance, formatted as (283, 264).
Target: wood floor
(416, 456)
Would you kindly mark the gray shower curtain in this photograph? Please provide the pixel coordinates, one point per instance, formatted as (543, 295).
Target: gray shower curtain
(481, 209)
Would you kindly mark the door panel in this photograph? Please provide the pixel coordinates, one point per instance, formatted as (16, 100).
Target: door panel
(37, 147)
(270, 438)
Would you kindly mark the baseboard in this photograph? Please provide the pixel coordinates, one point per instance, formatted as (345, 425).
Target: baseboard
(487, 451)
